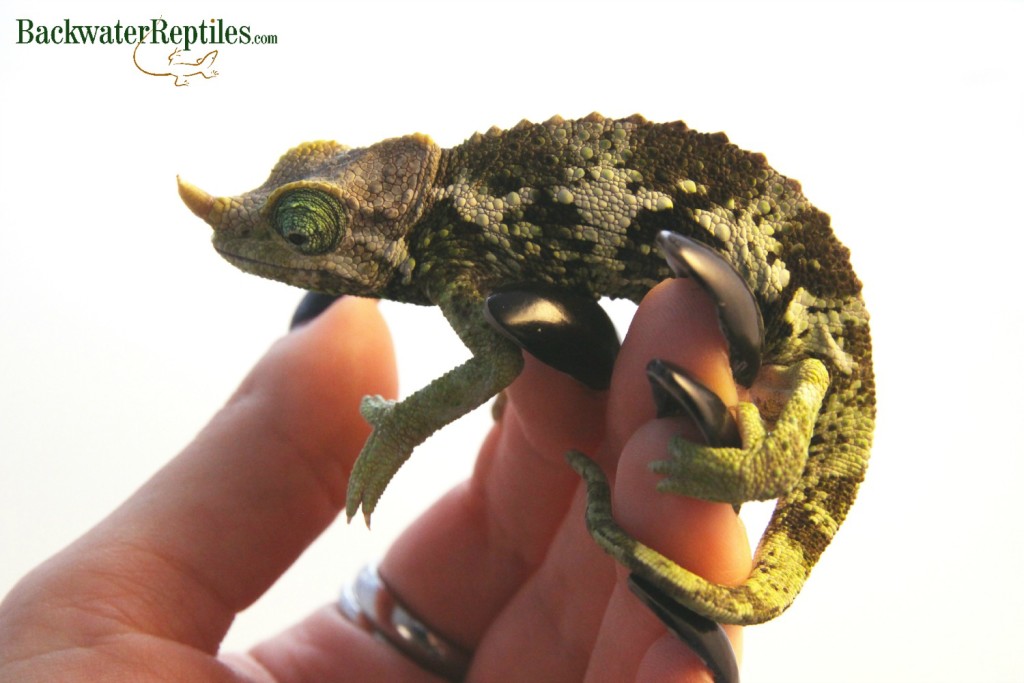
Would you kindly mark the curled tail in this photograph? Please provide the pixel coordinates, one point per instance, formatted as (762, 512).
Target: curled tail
(802, 525)
(745, 604)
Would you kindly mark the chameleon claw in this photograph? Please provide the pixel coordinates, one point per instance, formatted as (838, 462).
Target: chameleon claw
(738, 313)
(674, 389)
(312, 305)
(567, 331)
(705, 637)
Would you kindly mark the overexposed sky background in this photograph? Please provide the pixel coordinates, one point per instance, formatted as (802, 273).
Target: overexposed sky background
(122, 331)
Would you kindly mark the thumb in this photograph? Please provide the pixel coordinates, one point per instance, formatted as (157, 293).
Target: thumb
(212, 530)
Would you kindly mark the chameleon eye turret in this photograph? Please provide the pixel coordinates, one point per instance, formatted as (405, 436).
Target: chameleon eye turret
(310, 220)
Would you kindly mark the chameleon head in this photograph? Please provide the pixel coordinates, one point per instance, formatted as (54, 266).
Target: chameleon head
(329, 218)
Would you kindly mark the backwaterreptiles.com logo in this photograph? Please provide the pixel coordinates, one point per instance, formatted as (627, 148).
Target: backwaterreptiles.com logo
(151, 41)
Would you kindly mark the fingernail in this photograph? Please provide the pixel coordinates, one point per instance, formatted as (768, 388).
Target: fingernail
(738, 313)
(705, 637)
(312, 305)
(567, 331)
(675, 392)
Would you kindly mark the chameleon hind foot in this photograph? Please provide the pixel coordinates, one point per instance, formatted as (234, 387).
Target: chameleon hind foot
(769, 463)
(738, 313)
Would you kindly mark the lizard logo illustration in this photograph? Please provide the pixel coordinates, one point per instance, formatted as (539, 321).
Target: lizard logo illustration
(179, 67)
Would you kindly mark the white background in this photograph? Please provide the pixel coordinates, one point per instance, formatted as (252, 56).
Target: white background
(122, 331)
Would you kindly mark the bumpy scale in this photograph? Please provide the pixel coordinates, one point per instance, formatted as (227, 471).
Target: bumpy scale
(579, 206)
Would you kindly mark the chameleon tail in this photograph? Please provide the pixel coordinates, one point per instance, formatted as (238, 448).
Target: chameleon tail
(803, 523)
(746, 604)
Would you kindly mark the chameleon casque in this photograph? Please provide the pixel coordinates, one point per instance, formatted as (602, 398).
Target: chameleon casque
(593, 207)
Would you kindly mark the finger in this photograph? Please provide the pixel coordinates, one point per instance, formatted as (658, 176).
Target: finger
(460, 563)
(548, 630)
(678, 324)
(212, 530)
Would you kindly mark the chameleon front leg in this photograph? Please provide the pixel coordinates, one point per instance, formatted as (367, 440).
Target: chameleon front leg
(400, 426)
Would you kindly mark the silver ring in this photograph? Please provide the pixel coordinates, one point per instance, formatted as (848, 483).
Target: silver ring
(370, 604)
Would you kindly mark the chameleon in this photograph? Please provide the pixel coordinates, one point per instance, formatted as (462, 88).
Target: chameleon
(588, 208)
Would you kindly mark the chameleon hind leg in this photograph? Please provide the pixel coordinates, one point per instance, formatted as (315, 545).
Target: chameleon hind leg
(400, 426)
(768, 465)
(766, 459)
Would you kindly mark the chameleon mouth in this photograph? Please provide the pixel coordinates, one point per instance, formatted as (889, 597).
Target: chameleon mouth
(311, 279)
(301, 277)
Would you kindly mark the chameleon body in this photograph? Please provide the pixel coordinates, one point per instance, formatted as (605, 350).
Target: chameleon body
(577, 205)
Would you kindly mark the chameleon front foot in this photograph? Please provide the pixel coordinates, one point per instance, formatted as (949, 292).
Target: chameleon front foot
(379, 460)
(399, 427)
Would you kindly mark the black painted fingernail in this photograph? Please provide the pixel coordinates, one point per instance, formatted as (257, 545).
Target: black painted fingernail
(705, 637)
(567, 331)
(738, 313)
(312, 305)
(676, 392)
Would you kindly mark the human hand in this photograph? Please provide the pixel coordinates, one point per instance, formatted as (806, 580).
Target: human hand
(502, 565)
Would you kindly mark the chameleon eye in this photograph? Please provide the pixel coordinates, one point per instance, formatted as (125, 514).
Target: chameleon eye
(310, 220)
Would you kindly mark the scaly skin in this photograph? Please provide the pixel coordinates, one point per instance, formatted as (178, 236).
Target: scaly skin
(576, 205)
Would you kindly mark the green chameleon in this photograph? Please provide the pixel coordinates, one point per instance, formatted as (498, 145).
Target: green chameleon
(589, 208)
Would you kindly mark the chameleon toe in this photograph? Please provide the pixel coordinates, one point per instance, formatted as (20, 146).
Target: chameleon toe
(674, 391)
(312, 305)
(569, 332)
(738, 312)
(705, 637)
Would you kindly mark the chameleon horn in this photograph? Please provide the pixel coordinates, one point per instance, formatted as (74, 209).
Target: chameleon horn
(198, 201)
